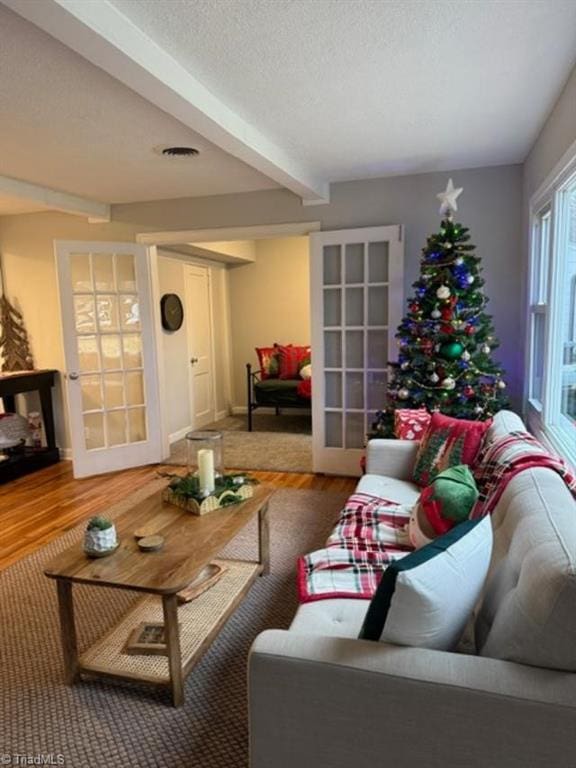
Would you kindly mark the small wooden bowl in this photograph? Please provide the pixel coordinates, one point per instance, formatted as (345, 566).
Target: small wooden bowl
(151, 543)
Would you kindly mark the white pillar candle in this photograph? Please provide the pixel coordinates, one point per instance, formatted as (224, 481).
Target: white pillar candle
(206, 470)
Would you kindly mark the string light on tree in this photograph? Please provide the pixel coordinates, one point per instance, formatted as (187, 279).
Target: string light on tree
(446, 340)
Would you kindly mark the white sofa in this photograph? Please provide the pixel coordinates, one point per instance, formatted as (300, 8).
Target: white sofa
(320, 698)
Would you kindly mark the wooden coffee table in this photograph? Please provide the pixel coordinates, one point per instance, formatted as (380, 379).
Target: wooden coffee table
(191, 543)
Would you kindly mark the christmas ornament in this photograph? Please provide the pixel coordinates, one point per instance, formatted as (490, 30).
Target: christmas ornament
(470, 279)
(443, 292)
(485, 349)
(405, 366)
(448, 383)
(403, 393)
(465, 355)
(451, 350)
(447, 329)
(446, 313)
(458, 261)
(478, 409)
(501, 385)
(447, 244)
(448, 198)
(469, 330)
(469, 391)
(435, 314)
(434, 378)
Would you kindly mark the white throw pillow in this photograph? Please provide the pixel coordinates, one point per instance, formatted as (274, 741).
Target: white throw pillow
(306, 372)
(426, 598)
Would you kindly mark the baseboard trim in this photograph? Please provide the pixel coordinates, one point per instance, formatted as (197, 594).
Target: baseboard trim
(181, 433)
(242, 410)
(220, 415)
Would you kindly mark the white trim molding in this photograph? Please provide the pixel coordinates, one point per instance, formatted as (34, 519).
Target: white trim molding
(53, 200)
(179, 434)
(222, 234)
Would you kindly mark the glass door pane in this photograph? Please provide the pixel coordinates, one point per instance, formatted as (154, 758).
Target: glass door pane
(109, 344)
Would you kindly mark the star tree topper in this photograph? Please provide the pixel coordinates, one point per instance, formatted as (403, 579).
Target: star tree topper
(448, 198)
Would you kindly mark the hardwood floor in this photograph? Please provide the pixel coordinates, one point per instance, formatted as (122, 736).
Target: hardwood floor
(40, 507)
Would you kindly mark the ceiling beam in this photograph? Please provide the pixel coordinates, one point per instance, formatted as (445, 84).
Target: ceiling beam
(55, 200)
(99, 32)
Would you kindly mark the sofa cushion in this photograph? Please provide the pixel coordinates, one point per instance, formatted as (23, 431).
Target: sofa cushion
(426, 598)
(332, 618)
(400, 491)
(528, 613)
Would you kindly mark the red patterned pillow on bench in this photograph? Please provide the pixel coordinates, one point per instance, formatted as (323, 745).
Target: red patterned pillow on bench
(291, 359)
(269, 363)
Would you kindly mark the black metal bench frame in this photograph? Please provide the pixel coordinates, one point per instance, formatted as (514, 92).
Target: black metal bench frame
(253, 377)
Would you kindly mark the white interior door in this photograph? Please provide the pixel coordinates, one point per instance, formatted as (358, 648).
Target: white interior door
(200, 345)
(110, 351)
(357, 294)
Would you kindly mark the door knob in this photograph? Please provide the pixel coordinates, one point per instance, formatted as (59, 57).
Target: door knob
(193, 360)
(73, 376)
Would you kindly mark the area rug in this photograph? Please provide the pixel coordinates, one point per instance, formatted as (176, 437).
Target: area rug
(267, 451)
(95, 724)
(295, 423)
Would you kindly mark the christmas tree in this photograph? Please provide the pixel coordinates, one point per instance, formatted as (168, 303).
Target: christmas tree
(446, 340)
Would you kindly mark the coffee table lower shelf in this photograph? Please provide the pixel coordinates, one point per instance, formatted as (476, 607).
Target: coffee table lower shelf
(199, 622)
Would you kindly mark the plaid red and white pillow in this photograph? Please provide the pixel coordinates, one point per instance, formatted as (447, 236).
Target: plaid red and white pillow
(291, 358)
(411, 423)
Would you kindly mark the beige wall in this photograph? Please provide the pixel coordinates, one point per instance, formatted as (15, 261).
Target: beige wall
(269, 302)
(175, 350)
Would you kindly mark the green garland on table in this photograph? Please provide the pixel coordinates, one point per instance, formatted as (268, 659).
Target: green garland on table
(188, 486)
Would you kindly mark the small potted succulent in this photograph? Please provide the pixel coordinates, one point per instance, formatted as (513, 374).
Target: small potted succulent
(100, 537)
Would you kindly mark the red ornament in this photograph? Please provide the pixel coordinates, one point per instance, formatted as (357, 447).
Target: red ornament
(446, 313)
(468, 391)
(414, 307)
(447, 329)
(427, 345)
(469, 330)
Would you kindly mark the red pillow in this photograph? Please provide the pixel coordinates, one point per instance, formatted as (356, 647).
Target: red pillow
(291, 359)
(411, 423)
(268, 359)
(447, 443)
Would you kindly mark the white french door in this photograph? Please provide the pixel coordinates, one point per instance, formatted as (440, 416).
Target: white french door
(357, 296)
(110, 352)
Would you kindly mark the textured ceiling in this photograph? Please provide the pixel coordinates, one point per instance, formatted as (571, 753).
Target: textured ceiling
(354, 88)
(66, 124)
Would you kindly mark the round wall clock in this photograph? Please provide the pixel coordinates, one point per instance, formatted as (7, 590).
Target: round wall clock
(172, 312)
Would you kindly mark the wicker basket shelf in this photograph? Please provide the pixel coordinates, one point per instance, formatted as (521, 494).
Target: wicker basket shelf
(200, 620)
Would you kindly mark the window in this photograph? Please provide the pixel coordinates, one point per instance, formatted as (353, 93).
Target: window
(539, 303)
(551, 372)
(568, 318)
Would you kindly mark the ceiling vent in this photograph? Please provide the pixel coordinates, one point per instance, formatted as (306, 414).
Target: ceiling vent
(177, 153)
